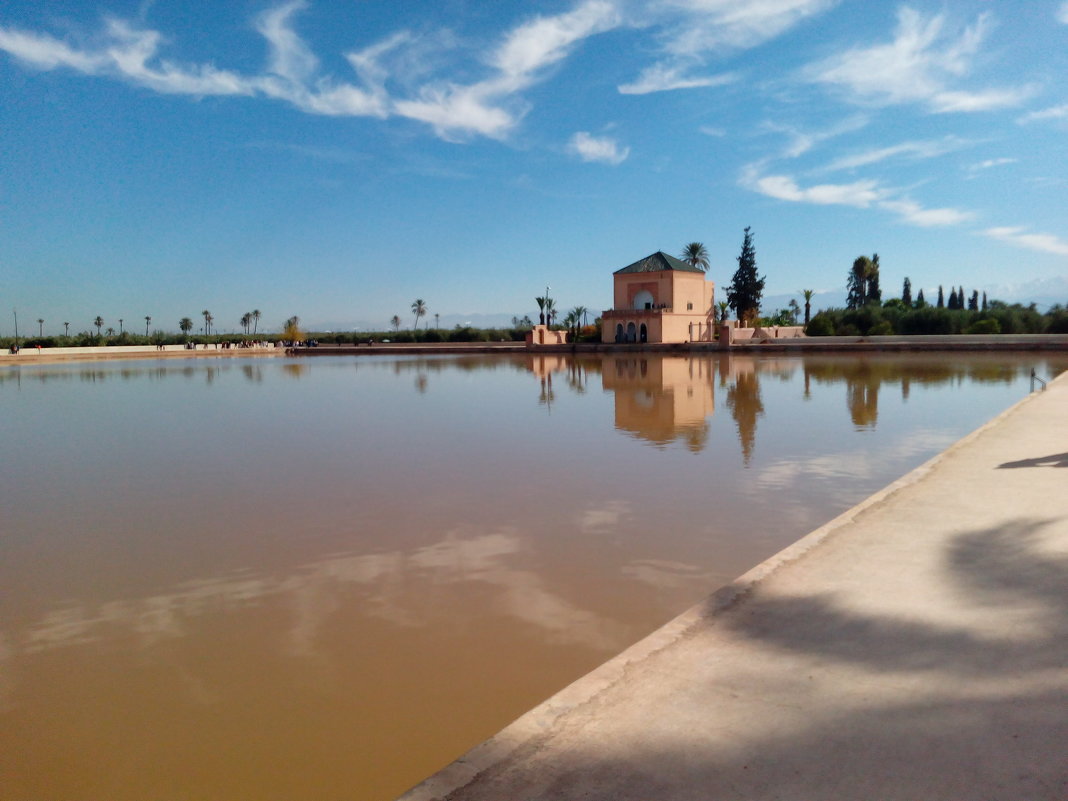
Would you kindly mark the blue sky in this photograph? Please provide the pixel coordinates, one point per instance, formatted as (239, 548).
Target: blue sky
(339, 160)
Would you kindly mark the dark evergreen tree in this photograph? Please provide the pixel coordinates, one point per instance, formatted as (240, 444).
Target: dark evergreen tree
(984, 301)
(874, 293)
(941, 298)
(858, 282)
(952, 302)
(973, 302)
(746, 287)
(961, 300)
(920, 302)
(906, 292)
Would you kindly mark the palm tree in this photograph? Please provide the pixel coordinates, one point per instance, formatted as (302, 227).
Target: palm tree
(255, 321)
(186, 325)
(437, 323)
(246, 321)
(40, 327)
(207, 322)
(807, 295)
(148, 322)
(724, 307)
(696, 255)
(541, 309)
(583, 313)
(110, 332)
(550, 311)
(419, 310)
(66, 329)
(120, 325)
(395, 321)
(99, 323)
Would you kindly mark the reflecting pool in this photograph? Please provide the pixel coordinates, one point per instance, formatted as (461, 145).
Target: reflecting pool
(319, 578)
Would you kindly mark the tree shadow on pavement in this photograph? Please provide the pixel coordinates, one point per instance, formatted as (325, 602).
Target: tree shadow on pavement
(924, 711)
(1054, 460)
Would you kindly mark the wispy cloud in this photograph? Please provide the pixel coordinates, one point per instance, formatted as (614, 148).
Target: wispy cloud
(1018, 237)
(690, 30)
(989, 164)
(915, 214)
(489, 107)
(920, 65)
(803, 141)
(1062, 13)
(520, 61)
(924, 149)
(859, 194)
(1051, 113)
(601, 149)
(664, 78)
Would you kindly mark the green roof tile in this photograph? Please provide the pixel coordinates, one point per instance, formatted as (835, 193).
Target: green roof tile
(656, 262)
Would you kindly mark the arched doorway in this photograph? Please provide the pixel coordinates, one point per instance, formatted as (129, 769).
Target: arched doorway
(619, 332)
(644, 334)
(632, 333)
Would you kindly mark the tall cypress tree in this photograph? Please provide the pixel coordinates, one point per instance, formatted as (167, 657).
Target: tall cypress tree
(984, 300)
(941, 298)
(906, 292)
(973, 302)
(920, 302)
(858, 282)
(874, 294)
(952, 302)
(746, 287)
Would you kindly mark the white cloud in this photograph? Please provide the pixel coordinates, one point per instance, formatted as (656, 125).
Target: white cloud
(691, 29)
(46, 53)
(914, 213)
(526, 52)
(708, 25)
(1051, 113)
(803, 141)
(923, 149)
(989, 163)
(664, 78)
(860, 194)
(601, 149)
(709, 130)
(489, 107)
(1062, 13)
(917, 66)
(1016, 236)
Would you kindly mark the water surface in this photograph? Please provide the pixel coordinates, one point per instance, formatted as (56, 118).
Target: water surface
(320, 578)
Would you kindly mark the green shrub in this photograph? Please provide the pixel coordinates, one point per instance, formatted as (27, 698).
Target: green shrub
(820, 326)
(987, 326)
(881, 329)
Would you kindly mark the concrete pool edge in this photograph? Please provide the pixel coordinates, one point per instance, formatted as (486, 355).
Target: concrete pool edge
(529, 731)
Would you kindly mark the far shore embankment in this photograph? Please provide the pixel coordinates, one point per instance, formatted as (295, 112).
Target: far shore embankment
(852, 344)
(109, 353)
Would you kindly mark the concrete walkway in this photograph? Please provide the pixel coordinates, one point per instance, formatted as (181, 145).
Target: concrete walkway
(914, 648)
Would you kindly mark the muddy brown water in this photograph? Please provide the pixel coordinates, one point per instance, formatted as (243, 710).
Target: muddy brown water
(278, 579)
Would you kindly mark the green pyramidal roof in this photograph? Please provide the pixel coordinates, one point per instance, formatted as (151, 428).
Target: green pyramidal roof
(657, 262)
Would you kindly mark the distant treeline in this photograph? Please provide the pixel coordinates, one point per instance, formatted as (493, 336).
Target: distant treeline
(895, 317)
(87, 339)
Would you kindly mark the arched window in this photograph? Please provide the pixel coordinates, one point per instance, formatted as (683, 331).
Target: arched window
(619, 332)
(632, 333)
(644, 335)
(644, 300)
